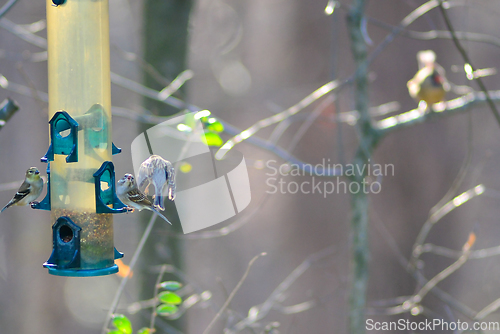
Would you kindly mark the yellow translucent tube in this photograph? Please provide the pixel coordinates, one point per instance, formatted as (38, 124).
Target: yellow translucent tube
(79, 83)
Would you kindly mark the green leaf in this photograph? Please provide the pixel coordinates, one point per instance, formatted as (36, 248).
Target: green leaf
(170, 285)
(211, 139)
(166, 309)
(215, 125)
(144, 330)
(122, 323)
(168, 297)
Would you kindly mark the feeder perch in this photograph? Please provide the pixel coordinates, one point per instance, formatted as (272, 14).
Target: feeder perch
(105, 193)
(115, 150)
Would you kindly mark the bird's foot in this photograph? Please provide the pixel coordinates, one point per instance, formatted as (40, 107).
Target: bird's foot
(34, 204)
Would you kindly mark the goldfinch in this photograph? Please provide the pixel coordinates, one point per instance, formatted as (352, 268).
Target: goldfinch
(131, 196)
(29, 190)
(429, 84)
(160, 173)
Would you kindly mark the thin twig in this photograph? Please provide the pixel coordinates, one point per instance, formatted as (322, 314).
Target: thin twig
(5, 8)
(233, 293)
(412, 303)
(124, 281)
(467, 60)
(31, 85)
(409, 19)
(464, 168)
(436, 217)
(263, 123)
(439, 34)
(454, 254)
(421, 280)
(10, 185)
(495, 305)
(23, 33)
(144, 65)
(155, 297)
(417, 298)
(262, 310)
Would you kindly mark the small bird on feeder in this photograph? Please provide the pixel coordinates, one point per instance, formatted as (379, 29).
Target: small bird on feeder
(29, 190)
(429, 84)
(131, 196)
(160, 173)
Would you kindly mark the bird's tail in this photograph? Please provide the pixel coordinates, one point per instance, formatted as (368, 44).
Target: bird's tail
(159, 214)
(5, 207)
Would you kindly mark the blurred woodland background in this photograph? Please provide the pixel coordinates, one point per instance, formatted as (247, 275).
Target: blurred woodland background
(251, 60)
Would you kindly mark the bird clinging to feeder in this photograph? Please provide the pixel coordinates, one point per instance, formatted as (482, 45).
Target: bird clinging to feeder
(160, 173)
(429, 84)
(29, 190)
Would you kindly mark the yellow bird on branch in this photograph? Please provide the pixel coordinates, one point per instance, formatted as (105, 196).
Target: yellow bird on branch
(429, 84)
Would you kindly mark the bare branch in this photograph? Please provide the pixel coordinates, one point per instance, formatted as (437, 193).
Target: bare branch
(263, 123)
(233, 293)
(436, 216)
(259, 312)
(437, 111)
(467, 60)
(412, 304)
(124, 281)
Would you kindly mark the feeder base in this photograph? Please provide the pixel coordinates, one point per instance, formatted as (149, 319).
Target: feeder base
(83, 272)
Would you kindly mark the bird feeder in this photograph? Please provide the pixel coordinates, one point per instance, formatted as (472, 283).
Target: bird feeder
(81, 179)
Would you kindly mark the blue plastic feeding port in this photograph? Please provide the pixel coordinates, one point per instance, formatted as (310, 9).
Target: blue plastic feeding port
(66, 257)
(66, 245)
(105, 192)
(63, 137)
(64, 134)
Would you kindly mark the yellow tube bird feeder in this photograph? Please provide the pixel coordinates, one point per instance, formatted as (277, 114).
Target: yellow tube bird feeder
(81, 183)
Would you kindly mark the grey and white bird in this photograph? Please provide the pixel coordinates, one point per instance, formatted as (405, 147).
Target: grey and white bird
(29, 191)
(160, 173)
(131, 196)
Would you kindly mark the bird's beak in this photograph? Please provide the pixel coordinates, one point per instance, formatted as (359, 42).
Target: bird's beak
(37, 172)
